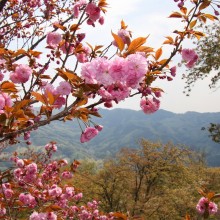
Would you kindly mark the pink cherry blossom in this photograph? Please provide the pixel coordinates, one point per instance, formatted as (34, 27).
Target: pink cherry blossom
(38, 216)
(82, 57)
(59, 102)
(22, 74)
(137, 63)
(51, 147)
(2, 211)
(173, 71)
(88, 134)
(27, 199)
(101, 20)
(31, 168)
(190, 56)
(67, 175)
(64, 88)
(20, 163)
(205, 204)
(55, 191)
(53, 39)
(102, 71)
(118, 69)
(67, 47)
(88, 73)
(213, 208)
(5, 100)
(99, 127)
(1, 76)
(93, 11)
(8, 193)
(149, 105)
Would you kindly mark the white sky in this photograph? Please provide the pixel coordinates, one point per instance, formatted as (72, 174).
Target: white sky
(145, 17)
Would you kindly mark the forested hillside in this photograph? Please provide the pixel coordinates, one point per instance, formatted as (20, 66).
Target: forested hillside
(124, 128)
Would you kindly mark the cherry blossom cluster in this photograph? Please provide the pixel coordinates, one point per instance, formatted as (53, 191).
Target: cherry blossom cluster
(116, 77)
(89, 133)
(33, 183)
(93, 12)
(190, 57)
(205, 205)
(62, 90)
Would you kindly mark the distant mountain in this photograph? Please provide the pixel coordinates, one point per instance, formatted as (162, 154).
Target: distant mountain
(124, 128)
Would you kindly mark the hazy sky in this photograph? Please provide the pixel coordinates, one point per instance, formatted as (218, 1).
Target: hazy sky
(151, 17)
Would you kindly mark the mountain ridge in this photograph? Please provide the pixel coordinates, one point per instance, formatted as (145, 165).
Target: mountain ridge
(124, 127)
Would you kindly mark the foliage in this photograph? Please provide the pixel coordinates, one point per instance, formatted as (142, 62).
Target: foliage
(154, 181)
(208, 49)
(42, 44)
(45, 60)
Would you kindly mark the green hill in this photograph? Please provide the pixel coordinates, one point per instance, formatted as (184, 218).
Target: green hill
(123, 128)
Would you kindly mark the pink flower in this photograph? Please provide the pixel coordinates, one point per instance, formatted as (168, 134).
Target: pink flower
(28, 199)
(8, 193)
(64, 88)
(17, 173)
(38, 216)
(31, 169)
(59, 102)
(88, 73)
(101, 20)
(99, 127)
(1, 76)
(55, 191)
(67, 175)
(173, 71)
(20, 163)
(67, 47)
(213, 208)
(51, 216)
(118, 69)
(149, 105)
(51, 147)
(190, 56)
(53, 39)
(103, 75)
(22, 74)
(82, 57)
(27, 135)
(93, 11)
(205, 204)
(5, 100)
(88, 134)
(78, 196)
(2, 211)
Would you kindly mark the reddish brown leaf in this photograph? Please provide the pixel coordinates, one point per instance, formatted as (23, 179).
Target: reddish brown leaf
(183, 10)
(210, 17)
(120, 43)
(34, 53)
(175, 15)
(204, 4)
(8, 87)
(136, 44)
(198, 34)
(57, 25)
(39, 97)
(158, 53)
(192, 24)
(123, 25)
(74, 27)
